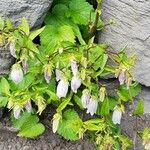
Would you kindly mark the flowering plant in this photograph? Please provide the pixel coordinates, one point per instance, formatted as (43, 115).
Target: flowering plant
(67, 70)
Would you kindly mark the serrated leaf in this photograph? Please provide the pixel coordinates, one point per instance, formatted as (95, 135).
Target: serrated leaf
(105, 107)
(80, 11)
(9, 24)
(33, 131)
(139, 110)
(63, 105)
(1, 23)
(24, 26)
(35, 33)
(70, 125)
(52, 37)
(3, 101)
(4, 86)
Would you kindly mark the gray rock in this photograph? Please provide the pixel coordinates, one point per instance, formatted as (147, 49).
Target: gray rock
(15, 10)
(33, 10)
(132, 28)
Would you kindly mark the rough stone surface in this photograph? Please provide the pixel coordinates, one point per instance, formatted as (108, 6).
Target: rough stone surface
(33, 10)
(15, 10)
(132, 28)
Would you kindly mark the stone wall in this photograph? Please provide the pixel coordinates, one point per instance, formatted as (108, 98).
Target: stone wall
(15, 10)
(131, 27)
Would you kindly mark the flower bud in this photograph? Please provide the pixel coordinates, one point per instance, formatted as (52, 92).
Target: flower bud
(117, 114)
(60, 50)
(92, 106)
(17, 112)
(56, 120)
(59, 74)
(147, 144)
(102, 93)
(16, 74)
(48, 72)
(75, 83)
(122, 76)
(25, 65)
(74, 67)
(85, 99)
(41, 104)
(12, 49)
(28, 106)
(62, 88)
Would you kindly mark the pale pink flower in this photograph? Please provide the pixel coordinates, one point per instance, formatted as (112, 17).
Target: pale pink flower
(17, 112)
(117, 114)
(122, 76)
(74, 67)
(62, 88)
(28, 106)
(92, 106)
(16, 74)
(75, 83)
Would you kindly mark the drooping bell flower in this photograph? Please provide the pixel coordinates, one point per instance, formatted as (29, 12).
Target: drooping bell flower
(62, 88)
(17, 112)
(92, 106)
(28, 106)
(16, 74)
(122, 76)
(74, 67)
(56, 120)
(75, 83)
(48, 72)
(12, 49)
(85, 99)
(102, 94)
(25, 65)
(117, 115)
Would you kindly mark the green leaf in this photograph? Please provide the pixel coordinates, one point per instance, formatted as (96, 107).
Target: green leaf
(3, 101)
(105, 107)
(18, 123)
(63, 105)
(80, 11)
(139, 110)
(52, 37)
(33, 131)
(2, 24)
(70, 125)
(24, 26)
(4, 86)
(32, 46)
(35, 33)
(9, 24)
(77, 99)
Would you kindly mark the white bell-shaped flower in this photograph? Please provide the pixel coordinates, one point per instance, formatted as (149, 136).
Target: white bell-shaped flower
(92, 106)
(16, 74)
(17, 112)
(75, 83)
(85, 99)
(117, 114)
(62, 88)
(74, 67)
(28, 106)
